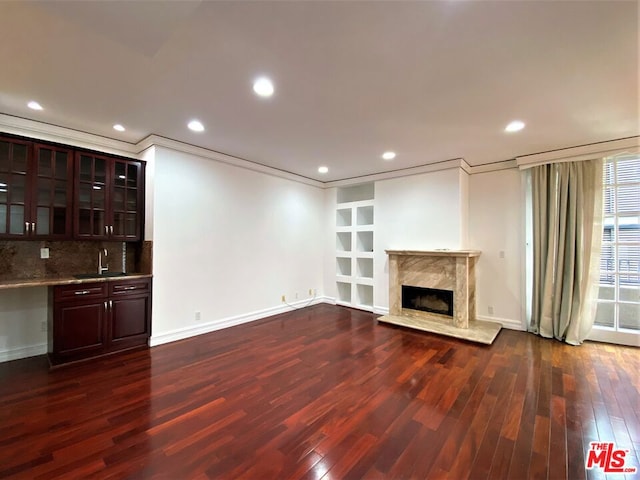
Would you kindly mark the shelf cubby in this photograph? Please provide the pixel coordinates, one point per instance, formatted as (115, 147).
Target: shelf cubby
(343, 217)
(356, 193)
(364, 267)
(364, 242)
(344, 292)
(343, 241)
(365, 295)
(364, 215)
(343, 266)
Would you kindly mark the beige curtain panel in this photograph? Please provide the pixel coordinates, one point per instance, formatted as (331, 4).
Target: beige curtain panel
(567, 236)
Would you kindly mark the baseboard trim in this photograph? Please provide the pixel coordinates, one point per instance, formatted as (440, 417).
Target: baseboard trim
(506, 322)
(201, 329)
(23, 352)
(381, 310)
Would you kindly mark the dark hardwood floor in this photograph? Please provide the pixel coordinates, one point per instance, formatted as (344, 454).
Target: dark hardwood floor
(322, 393)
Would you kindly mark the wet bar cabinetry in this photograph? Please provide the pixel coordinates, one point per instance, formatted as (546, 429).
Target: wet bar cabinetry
(108, 197)
(98, 318)
(36, 187)
(57, 192)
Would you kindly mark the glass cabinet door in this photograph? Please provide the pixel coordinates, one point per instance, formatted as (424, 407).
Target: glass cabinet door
(14, 158)
(52, 192)
(125, 200)
(91, 196)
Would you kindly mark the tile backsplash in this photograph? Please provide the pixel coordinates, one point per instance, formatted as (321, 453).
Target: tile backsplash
(21, 259)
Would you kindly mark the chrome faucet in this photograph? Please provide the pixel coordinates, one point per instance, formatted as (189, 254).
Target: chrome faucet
(102, 269)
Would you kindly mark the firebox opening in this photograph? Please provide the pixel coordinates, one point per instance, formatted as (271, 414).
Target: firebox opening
(428, 300)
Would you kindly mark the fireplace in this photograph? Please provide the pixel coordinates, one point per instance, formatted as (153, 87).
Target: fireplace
(432, 300)
(434, 291)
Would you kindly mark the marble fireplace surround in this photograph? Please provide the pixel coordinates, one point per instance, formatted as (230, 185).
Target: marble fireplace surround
(445, 270)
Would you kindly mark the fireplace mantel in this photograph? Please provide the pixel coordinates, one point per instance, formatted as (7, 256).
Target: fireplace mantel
(435, 253)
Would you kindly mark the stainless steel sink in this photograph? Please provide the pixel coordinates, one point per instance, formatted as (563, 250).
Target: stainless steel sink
(82, 276)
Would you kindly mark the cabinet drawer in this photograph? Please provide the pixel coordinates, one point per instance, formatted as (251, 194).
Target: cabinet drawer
(129, 287)
(83, 291)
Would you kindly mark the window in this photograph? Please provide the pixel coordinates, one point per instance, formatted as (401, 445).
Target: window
(619, 296)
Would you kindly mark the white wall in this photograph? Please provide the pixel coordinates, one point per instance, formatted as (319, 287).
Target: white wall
(22, 311)
(228, 242)
(496, 225)
(419, 212)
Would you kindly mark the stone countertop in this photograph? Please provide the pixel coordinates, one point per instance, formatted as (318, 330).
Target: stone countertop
(69, 280)
(436, 253)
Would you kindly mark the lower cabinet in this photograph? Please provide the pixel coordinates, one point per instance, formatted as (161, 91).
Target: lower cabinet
(94, 319)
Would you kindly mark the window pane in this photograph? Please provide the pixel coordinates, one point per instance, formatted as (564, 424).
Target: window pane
(629, 315)
(630, 293)
(628, 259)
(607, 292)
(628, 170)
(629, 229)
(605, 315)
(628, 198)
(609, 200)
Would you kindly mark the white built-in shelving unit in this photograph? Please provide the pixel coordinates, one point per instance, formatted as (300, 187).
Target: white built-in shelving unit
(354, 246)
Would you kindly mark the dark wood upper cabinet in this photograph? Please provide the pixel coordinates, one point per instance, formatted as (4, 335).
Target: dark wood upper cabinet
(109, 197)
(55, 192)
(35, 190)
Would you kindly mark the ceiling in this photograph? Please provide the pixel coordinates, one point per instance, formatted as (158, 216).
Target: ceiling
(430, 80)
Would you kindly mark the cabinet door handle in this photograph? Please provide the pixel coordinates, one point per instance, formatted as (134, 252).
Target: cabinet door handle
(129, 288)
(111, 305)
(26, 228)
(82, 292)
(33, 228)
(106, 230)
(105, 306)
(111, 229)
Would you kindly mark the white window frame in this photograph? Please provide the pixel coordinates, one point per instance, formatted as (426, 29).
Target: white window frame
(616, 334)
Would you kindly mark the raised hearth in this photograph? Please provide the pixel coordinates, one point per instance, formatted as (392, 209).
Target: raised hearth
(442, 274)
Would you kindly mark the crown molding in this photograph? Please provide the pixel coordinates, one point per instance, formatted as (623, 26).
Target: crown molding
(457, 163)
(158, 141)
(494, 167)
(75, 138)
(583, 152)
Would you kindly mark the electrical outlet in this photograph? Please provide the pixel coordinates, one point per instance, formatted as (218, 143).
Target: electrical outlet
(283, 299)
(310, 292)
(43, 326)
(197, 316)
(296, 295)
(490, 310)
(44, 253)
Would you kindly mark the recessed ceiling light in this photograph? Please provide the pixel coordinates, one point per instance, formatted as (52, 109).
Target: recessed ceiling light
(323, 169)
(33, 105)
(389, 155)
(514, 126)
(118, 127)
(263, 87)
(196, 126)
